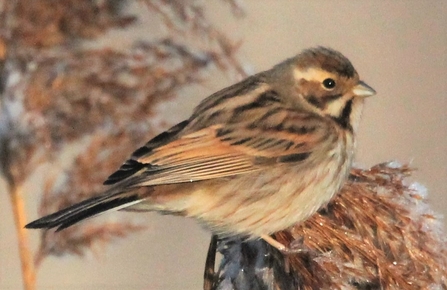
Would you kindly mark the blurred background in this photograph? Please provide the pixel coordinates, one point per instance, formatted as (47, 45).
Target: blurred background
(398, 47)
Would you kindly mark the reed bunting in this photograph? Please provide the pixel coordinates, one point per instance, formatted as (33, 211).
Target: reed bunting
(253, 159)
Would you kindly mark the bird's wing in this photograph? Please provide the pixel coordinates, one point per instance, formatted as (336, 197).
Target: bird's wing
(217, 151)
(221, 150)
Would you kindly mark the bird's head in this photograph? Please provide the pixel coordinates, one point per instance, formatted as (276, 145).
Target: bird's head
(326, 82)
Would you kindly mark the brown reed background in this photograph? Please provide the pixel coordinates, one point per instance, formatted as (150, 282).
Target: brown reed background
(399, 48)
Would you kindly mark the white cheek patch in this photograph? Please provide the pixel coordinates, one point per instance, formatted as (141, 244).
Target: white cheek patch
(335, 107)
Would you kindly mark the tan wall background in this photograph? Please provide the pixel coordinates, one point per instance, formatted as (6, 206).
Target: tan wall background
(399, 48)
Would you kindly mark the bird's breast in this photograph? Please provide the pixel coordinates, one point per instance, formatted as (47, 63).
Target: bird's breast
(268, 201)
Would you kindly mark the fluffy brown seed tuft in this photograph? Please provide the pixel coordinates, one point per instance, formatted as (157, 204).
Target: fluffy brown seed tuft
(378, 233)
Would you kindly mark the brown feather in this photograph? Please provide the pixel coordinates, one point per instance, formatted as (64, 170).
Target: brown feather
(253, 159)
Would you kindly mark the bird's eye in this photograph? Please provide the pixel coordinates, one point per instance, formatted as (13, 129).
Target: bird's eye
(329, 84)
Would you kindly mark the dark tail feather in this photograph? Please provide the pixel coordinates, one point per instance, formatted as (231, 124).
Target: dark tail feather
(80, 211)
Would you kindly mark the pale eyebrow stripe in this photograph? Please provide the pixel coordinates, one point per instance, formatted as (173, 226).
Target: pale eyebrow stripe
(312, 74)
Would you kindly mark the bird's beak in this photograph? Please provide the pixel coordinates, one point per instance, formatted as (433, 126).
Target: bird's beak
(363, 90)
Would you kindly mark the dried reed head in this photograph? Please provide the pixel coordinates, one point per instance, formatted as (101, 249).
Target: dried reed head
(56, 93)
(378, 233)
(44, 24)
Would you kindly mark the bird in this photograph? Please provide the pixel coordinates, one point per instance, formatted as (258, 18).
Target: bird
(253, 159)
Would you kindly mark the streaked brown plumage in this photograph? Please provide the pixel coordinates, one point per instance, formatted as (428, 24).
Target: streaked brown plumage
(254, 158)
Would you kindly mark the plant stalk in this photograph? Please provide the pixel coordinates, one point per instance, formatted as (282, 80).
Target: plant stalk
(26, 257)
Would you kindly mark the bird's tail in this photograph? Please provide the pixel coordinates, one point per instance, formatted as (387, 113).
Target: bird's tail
(85, 209)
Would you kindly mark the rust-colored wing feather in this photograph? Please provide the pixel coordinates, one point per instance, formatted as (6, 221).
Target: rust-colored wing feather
(221, 150)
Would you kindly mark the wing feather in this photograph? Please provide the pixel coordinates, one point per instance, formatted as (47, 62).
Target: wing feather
(235, 131)
(225, 150)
